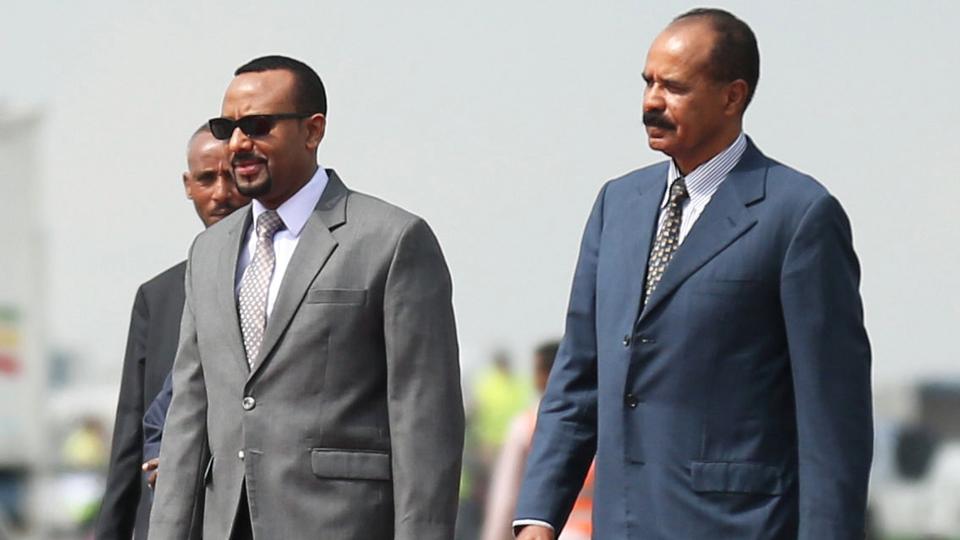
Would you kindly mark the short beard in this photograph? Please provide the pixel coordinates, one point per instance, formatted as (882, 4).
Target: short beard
(254, 191)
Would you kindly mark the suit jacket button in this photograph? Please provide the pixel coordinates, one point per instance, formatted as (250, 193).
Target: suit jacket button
(240, 455)
(248, 403)
(626, 340)
(631, 401)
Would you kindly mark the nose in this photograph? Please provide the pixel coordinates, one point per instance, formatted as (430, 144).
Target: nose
(652, 98)
(239, 142)
(221, 189)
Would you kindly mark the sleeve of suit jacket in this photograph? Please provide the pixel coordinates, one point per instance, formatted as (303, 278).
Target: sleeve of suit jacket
(185, 436)
(118, 512)
(154, 419)
(565, 439)
(830, 361)
(423, 388)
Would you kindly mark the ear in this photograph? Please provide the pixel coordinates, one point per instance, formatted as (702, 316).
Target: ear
(186, 185)
(736, 97)
(316, 127)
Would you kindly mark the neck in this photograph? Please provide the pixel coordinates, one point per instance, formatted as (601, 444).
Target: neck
(687, 164)
(272, 202)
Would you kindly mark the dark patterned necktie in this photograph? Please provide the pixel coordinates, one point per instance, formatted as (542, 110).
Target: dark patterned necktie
(255, 284)
(668, 238)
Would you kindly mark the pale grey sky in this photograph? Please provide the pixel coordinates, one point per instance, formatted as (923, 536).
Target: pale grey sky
(497, 121)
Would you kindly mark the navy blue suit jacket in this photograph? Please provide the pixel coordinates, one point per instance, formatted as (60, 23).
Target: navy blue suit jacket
(737, 404)
(155, 418)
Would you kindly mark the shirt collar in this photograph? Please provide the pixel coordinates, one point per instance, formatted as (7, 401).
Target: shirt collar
(703, 181)
(296, 210)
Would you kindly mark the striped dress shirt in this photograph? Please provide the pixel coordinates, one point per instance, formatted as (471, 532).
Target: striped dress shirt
(702, 183)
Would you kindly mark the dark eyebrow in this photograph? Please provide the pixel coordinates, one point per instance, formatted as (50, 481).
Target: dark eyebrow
(673, 83)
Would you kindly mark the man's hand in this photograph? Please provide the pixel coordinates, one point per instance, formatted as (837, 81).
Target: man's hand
(152, 465)
(535, 532)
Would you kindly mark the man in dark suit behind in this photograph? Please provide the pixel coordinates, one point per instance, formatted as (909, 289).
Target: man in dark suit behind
(715, 358)
(152, 344)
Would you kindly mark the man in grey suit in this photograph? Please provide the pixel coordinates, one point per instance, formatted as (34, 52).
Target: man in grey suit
(318, 354)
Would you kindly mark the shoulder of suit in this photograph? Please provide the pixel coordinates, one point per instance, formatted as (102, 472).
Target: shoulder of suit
(784, 181)
(652, 175)
(375, 210)
(164, 281)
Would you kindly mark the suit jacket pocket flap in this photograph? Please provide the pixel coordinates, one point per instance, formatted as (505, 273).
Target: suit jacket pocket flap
(336, 296)
(350, 464)
(736, 477)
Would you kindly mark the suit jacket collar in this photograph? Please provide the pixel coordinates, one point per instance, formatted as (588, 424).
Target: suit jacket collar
(725, 218)
(313, 249)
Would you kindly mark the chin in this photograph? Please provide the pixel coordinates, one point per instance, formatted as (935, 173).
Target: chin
(659, 145)
(256, 188)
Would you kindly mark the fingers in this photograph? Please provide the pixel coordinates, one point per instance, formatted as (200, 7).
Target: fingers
(151, 465)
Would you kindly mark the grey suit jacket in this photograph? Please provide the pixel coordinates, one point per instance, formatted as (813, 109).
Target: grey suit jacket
(350, 424)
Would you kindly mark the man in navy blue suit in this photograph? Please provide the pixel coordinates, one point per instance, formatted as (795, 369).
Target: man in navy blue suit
(715, 357)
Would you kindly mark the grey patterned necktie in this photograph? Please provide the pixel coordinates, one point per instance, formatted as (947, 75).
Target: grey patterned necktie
(668, 238)
(255, 284)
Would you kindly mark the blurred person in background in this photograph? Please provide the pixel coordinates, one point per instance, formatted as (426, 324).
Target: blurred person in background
(715, 359)
(497, 395)
(152, 344)
(85, 447)
(508, 471)
(83, 457)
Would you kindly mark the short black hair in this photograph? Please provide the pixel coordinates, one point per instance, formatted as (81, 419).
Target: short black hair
(735, 54)
(203, 128)
(310, 96)
(546, 353)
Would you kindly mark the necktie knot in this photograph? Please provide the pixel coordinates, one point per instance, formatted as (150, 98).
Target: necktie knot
(268, 223)
(678, 191)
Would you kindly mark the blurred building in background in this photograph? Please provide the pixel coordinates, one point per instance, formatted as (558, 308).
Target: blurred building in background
(22, 368)
(915, 481)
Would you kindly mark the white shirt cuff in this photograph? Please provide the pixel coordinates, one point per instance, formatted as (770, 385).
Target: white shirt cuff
(521, 523)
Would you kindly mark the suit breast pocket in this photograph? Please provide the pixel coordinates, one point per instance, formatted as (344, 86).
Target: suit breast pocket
(729, 287)
(337, 296)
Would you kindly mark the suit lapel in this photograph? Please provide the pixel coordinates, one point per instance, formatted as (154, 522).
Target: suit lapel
(315, 246)
(226, 284)
(639, 228)
(725, 218)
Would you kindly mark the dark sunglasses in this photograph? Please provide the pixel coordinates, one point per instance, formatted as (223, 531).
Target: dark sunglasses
(255, 125)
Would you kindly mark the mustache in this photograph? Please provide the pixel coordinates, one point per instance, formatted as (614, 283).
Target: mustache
(245, 156)
(224, 209)
(656, 119)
